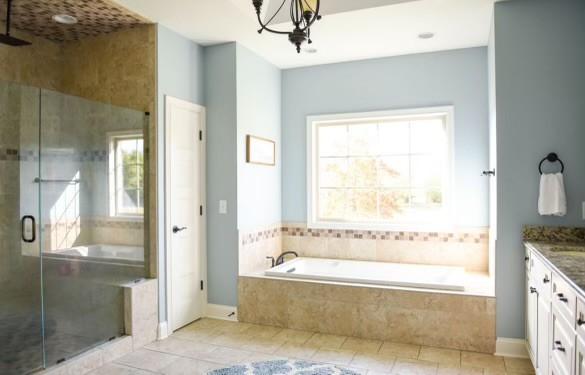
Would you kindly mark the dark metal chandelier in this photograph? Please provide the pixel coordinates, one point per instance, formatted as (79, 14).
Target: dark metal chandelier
(303, 13)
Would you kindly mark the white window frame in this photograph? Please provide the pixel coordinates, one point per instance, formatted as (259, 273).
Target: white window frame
(313, 123)
(113, 178)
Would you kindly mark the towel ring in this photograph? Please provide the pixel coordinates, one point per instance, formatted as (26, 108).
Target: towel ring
(551, 158)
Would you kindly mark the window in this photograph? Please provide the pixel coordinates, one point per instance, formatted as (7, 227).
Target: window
(383, 169)
(126, 174)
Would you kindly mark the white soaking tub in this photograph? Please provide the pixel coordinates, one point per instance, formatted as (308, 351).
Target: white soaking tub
(376, 273)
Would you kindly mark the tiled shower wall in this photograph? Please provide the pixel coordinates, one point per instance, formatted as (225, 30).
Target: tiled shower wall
(464, 248)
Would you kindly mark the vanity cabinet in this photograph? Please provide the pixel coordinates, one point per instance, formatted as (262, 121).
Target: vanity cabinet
(555, 320)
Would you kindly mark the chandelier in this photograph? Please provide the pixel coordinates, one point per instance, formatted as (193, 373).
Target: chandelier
(303, 13)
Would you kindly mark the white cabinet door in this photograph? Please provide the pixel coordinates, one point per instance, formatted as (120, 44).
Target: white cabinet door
(544, 341)
(580, 364)
(532, 321)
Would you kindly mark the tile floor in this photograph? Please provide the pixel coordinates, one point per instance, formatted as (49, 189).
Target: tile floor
(210, 344)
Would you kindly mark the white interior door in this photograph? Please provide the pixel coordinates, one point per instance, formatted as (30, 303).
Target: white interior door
(184, 220)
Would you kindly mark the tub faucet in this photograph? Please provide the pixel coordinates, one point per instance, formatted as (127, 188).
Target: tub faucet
(280, 259)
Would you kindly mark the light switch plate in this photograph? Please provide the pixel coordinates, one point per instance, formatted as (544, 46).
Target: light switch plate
(223, 207)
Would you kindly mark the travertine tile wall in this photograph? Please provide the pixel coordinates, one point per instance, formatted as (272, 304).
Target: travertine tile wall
(422, 318)
(36, 65)
(255, 246)
(117, 68)
(466, 248)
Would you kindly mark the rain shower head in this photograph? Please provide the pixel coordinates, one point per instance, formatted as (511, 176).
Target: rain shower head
(7, 38)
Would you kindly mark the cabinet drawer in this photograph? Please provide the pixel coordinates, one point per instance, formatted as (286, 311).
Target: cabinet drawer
(580, 321)
(527, 258)
(564, 298)
(563, 343)
(541, 277)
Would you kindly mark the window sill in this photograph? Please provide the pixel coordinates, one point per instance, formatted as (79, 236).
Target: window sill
(406, 227)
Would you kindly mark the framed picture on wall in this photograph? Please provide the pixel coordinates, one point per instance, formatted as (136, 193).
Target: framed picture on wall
(260, 150)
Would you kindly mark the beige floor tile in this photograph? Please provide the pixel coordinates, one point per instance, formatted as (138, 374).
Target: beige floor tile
(261, 357)
(189, 366)
(374, 372)
(266, 346)
(147, 360)
(264, 332)
(444, 356)
(231, 327)
(321, 340)
(376, 362)
(362, 345)
(414, 367)
(231, 340)
(400, 350)
(181, 347)
(195, 334)
(518, 365)
(116, 369)
(335, 356)
(227, 356)
(293, 336)
(445, 369)
(296, 351)
(482, 360)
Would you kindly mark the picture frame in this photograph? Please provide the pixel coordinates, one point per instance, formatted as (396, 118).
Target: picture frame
(260, 150)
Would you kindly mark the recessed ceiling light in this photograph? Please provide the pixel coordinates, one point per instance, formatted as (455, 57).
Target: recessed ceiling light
(65, 19)
(426, 35)
(310, 50)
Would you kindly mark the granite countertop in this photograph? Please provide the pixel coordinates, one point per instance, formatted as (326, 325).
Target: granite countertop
(570, 264)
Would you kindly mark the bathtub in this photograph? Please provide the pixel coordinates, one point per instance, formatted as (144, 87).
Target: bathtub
(375, 273)
(101, 253)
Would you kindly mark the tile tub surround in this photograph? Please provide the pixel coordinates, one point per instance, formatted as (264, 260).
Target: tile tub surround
(465, 248)
(256, 245)
(213, 344)
(411, 317)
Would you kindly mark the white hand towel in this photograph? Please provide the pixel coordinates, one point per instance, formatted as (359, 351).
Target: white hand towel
(552, 199)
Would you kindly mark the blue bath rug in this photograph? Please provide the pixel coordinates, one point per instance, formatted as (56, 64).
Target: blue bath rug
(284, 367)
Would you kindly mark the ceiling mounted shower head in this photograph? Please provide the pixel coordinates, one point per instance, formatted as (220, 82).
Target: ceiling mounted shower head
(7, 38)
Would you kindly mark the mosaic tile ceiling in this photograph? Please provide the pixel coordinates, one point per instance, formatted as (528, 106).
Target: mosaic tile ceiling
(95, 17)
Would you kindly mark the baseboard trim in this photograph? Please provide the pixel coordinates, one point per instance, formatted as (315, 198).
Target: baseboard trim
(222, 312)
(508, 347)
(163, 331)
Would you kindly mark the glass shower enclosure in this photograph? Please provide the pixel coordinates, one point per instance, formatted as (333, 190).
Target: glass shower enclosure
(71, 223)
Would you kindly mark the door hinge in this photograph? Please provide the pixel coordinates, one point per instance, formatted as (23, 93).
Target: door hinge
(200, 135)
(201, 210)
(201, 284)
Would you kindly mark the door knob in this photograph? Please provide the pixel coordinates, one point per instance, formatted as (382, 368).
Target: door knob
(176, 229)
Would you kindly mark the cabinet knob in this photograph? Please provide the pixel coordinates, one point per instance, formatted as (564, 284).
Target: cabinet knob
(546, 280)
(580, 322)
(559, 346)
(562, 298)
(533, 290)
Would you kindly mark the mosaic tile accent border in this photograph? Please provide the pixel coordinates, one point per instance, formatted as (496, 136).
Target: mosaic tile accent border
(14, 154)
(300, 231)
(553, 234)
(97, 223)
(262, 235)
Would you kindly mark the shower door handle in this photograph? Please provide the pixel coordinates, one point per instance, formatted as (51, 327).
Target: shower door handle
(33, 233)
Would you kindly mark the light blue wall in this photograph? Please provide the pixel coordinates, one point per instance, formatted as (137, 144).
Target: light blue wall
(259, 114)
(180, 74)
(456, 78)
(222, 117)
(540, 90)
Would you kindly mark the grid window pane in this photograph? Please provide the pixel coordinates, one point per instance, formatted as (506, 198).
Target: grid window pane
(333, 172)
(388, 170)
(332, 204)
(332, 140)
(128, 154)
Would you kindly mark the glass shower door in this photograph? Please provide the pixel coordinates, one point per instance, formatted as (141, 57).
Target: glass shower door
(21, 323)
